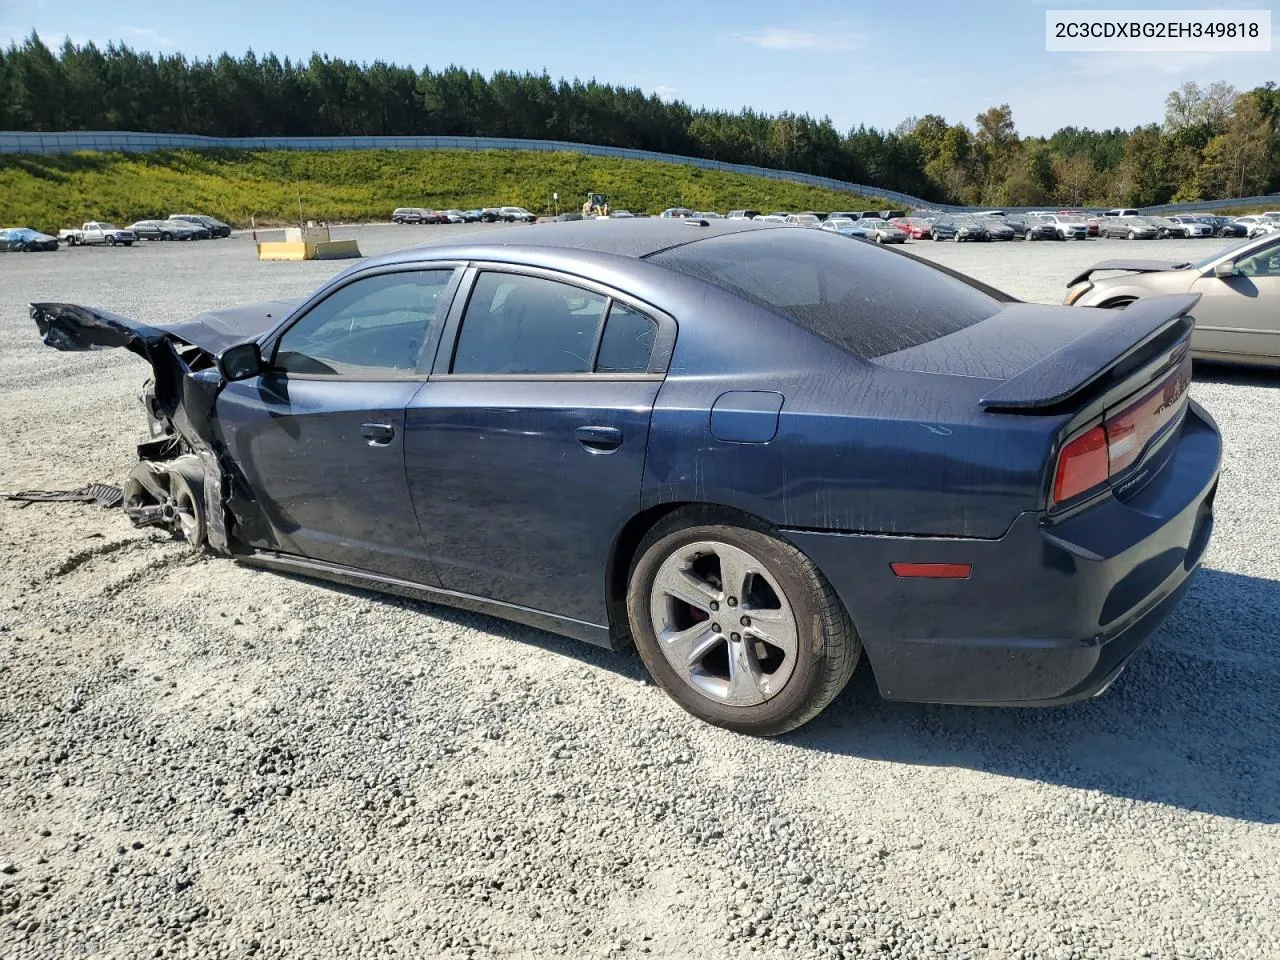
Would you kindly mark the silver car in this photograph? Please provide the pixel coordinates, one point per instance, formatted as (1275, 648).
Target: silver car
(1068, 227)
(881, 231)
(804, 220)
(1238, 315)
(1257, 226)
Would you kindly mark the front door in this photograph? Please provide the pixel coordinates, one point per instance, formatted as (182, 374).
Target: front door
(1238, 315)
(319, 435)
(525, 450)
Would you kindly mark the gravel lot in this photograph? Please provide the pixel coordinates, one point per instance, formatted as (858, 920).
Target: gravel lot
(203, 760)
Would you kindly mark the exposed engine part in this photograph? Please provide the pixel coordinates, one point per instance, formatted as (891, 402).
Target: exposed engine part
(169, 495)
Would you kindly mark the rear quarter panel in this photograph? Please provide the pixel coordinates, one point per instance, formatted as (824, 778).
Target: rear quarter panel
(858, 447)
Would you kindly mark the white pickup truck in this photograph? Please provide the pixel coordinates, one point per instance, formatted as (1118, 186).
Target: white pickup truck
(97, 231)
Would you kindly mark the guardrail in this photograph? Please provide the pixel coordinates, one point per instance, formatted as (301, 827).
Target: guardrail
(117, 141)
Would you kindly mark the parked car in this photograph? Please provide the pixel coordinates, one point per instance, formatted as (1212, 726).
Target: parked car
(708, 215)
(916, 228)
(215, 226)
(1031, 228)
(491, 215)
(836, 224)
(1194, 226)
(517, 215)
(773, 218)
(585, 473)
(958, 226)
(743, 214)
(880, 230)
(1123, 212)
(1166, 228)
(1225, 226)
(456, 216)
(850, 228)
(1129, 228)
(1257, 226)
(997, 228)
(621, 214)
(676, 213)
(25, 240)
(1069, 226)
(409, 215)
(804, 220)
(1237, 316)
(168, 230)
(97, 232)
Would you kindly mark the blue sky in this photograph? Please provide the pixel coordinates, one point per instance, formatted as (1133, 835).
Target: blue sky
(854, 60)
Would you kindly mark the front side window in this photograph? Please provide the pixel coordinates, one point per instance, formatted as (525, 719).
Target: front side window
(1263, 263)
(376, 326)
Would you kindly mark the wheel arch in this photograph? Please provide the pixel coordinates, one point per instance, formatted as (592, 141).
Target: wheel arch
(626, 546)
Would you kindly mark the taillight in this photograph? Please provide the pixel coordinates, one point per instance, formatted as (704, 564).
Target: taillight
(1116, 444)
(1082, 465)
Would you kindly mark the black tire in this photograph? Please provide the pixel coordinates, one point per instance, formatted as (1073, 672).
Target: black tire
(111, 241)
(827, 647)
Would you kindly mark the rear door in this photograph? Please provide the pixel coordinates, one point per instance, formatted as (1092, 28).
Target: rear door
(320, 433)
(525, 450)
(1239, 315)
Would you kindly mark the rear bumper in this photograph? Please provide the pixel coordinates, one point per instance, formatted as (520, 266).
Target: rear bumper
(1051, 612)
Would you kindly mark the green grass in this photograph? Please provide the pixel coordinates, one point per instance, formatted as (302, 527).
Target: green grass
(50, 193)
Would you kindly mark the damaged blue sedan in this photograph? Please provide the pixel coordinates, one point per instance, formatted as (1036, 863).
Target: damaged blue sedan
(754, 451)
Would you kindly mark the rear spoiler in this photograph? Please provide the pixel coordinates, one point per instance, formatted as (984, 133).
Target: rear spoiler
(1133, 266)
(1127, 340)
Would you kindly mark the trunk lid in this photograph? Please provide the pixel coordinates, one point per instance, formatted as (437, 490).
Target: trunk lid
(1047, 359)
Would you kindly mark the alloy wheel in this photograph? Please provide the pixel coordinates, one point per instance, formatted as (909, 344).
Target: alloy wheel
(723, 623)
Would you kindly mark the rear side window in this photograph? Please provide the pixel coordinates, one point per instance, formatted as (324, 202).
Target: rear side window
(628, 341)
(532, 325)
(868, 301)
(517, 324)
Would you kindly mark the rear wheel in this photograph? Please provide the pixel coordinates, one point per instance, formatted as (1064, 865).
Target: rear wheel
(1132, 235)
(111, 241)
(737, 626)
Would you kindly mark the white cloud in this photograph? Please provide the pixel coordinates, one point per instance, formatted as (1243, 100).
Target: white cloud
(664, 92)
(796, 38)
(148, 36)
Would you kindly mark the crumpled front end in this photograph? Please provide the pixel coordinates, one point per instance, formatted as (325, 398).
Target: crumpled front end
(180, 483)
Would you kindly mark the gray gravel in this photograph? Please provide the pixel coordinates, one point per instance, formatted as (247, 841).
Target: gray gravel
(202, 760)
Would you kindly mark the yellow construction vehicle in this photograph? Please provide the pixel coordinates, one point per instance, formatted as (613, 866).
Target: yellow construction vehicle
(597, 205)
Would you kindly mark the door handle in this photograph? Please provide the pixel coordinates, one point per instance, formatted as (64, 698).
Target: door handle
(377, 434)
(599, 439)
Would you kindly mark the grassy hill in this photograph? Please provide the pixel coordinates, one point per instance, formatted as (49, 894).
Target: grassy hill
(53, 192)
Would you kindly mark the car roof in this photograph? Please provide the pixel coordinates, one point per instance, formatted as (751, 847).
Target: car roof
(637, 238)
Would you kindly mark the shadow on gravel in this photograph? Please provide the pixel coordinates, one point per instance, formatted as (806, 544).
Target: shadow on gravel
(624, 663)
(1194, 722)
(1208, 372)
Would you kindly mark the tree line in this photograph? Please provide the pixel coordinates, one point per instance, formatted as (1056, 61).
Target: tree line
(1214, 142)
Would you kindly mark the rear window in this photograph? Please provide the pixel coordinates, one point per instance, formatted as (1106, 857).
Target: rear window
(869, 301)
